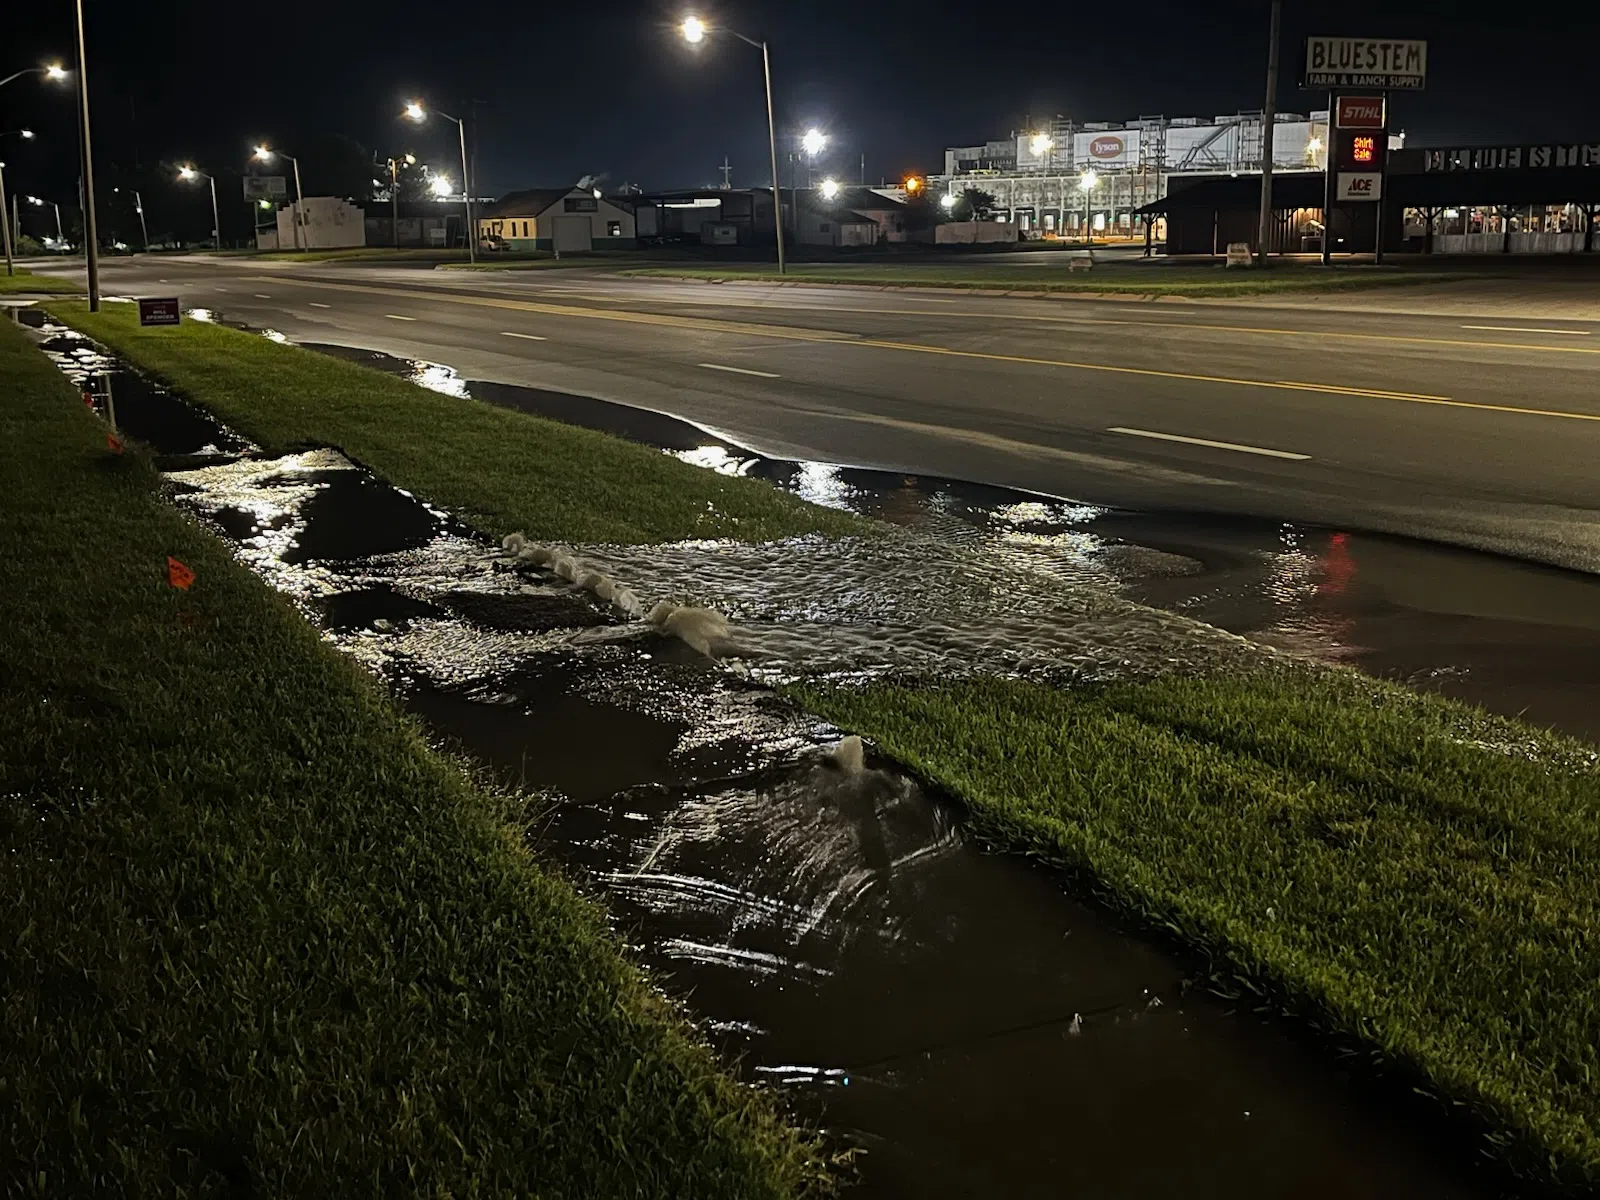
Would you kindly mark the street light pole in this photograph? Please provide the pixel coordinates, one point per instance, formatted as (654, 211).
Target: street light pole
(90, 234)
(466, 191)
(144, 230)
(1269, 120)
(394, 202)
(694, 30)
(5, 222)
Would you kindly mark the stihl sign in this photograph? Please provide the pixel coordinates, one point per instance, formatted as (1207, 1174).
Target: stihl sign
(1360, 112)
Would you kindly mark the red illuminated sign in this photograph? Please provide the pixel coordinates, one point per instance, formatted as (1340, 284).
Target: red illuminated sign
(1360, 112)
(1363, 149)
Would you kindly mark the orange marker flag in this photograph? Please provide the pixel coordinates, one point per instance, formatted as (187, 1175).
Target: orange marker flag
(178, 575)
(113, 443)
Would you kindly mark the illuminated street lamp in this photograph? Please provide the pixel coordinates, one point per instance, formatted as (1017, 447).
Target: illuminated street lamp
(54, 72)
(694, 32)
(61, 238)
(1087, 182)
(188, 174)
(947, 201)
(830, 188)
(814, 142)
(441, 186)
(263, 154)
(394, 194)
(414, 111)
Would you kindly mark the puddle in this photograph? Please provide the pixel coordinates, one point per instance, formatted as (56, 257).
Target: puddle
(955, 1015)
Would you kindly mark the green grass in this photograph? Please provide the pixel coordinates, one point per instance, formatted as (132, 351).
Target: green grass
(24, 282)
(1131, 279)
(257, 937)
(498, 469)
(1402, 869)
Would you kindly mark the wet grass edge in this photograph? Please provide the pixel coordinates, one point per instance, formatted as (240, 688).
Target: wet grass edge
(257, 934)
(1259, 732)
(497, 468)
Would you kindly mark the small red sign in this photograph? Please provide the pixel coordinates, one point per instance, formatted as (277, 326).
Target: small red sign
(178, 575)
(1360, 112)
(113, 443)
(161, 311)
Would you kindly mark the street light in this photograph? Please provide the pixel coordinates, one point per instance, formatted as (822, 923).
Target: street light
(813, 142)
(415, 112)
(189, 174)
(694, 32)
(263, 154)
(138, 207)
(441, 186)
(61, 238)
(947, 201)
(394, 195)
(830, 188)
(1086, 184)
(54, 72)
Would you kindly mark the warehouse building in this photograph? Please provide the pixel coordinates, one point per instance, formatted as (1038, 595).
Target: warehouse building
(567, 220)
(1065, 177)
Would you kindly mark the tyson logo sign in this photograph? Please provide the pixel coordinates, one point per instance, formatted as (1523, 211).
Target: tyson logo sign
(1106, 147)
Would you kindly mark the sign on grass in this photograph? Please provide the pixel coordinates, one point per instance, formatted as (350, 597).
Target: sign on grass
(162, 311)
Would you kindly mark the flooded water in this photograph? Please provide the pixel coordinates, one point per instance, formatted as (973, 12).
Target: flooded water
(956, 1016)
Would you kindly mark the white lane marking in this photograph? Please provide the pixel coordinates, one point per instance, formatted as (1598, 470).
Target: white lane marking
(314, 304)
(262, 296)
(161, 281)
(532, 337)
(221, 289)
(1173, 437)
(398, 317)
(1528, 329)
(738, 370)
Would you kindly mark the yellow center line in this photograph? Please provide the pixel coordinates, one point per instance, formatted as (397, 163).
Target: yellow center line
(795, 334)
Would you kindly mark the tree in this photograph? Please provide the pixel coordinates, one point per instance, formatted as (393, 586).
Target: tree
(973, 204)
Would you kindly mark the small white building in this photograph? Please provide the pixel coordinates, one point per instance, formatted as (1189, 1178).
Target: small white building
(569, 220)
(326, 223)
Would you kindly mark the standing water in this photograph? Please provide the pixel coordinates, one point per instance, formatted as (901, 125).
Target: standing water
(956, 1016)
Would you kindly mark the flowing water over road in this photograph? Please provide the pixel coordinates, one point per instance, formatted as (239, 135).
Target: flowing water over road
(973, 1028)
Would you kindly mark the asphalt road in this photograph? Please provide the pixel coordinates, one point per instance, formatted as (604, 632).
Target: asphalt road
(1478, 431)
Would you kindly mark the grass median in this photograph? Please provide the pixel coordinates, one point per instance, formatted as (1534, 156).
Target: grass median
(258, 938)
(1401, 869)
(27, 283)
(500, 470)
(1197, 282)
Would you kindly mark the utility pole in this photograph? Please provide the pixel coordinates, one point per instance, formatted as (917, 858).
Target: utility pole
(1269, 119)
(727, 174)
(90, 234)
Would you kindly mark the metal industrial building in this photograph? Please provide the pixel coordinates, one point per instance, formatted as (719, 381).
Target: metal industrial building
(1065, 174)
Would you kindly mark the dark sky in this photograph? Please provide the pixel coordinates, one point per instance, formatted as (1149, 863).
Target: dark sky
(569, 89)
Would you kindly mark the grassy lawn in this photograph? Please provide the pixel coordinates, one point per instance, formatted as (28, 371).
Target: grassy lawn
(1401, 869)
(1135, 279)
(24, 282)
(258, 938)
(498, 469)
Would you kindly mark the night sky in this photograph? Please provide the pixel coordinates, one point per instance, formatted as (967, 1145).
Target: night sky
(567, 90)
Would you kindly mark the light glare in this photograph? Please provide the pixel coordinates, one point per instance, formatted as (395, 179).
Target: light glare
(440, 185)
(813, 142)
(1087, 181)
(415, 111)
(264, 154)
(694, 30)
(830, 188)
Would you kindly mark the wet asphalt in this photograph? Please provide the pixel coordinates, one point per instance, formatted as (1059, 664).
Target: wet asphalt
(1476, 431)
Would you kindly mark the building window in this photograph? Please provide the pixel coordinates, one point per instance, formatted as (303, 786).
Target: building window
(823, 227)
(613, 228)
